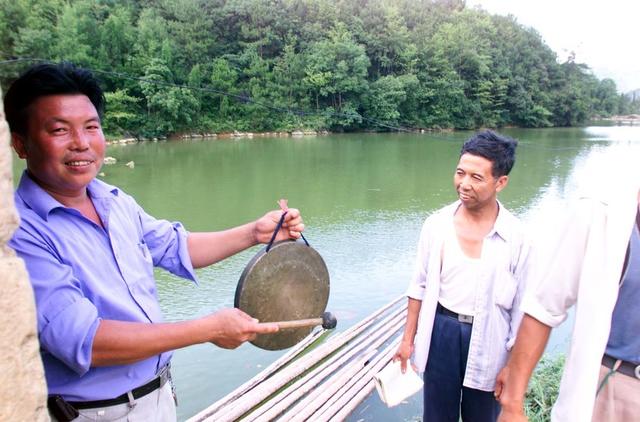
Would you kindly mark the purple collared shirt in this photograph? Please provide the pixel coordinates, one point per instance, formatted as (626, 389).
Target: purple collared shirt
(82, 273)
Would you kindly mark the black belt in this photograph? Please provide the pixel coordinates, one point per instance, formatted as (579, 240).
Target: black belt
(141, 391)
(467, 319)
(627, 368)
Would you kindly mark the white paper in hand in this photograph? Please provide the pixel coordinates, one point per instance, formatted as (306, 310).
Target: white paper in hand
(393, 386)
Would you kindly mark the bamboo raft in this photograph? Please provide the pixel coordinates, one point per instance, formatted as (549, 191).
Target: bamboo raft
(316, 379)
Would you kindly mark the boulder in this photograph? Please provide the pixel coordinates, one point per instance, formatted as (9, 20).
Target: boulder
(23, 390)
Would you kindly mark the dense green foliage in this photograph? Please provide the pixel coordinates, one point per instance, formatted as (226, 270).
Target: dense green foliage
(543, 388)
(294, 64)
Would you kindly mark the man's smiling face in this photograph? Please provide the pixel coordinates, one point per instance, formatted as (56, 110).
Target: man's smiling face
(64, 145)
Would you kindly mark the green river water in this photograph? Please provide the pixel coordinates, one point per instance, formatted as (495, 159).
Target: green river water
(363, 198)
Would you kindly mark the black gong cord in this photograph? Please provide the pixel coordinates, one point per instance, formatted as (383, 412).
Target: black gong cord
(278, 227)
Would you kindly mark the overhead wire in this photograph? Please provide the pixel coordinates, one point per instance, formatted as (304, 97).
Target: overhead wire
(209, 89)
(249, 99)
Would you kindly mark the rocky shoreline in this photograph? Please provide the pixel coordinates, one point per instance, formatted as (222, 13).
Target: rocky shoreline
(621, 119)
(628, 118)
(225, 135)
(245, 135)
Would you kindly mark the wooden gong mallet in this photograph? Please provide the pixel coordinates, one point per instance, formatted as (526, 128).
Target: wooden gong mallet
(328, 322)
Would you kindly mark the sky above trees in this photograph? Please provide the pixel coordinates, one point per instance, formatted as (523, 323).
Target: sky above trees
(602, 34)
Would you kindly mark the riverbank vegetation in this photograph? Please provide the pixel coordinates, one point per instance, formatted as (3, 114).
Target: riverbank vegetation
(172, 66)
(543, 388)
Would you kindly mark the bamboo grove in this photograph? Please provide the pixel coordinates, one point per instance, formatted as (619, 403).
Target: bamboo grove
(172, 66)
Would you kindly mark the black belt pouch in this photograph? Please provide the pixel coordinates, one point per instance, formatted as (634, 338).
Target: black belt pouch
(61, 410)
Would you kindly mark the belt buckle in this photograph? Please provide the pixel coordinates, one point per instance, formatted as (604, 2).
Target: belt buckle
(636, 371)
(468, 319)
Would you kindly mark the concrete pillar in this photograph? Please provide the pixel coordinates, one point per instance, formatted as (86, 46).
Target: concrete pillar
(23, 390)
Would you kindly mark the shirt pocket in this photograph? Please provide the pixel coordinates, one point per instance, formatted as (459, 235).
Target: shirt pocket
(141, 277)
(144, 251)
(144, 261)
(504, 289)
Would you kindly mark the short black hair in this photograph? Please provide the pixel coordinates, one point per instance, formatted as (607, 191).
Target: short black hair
(45, 79)
(499, 149)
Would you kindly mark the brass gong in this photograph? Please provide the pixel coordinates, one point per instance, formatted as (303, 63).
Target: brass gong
(289, 282)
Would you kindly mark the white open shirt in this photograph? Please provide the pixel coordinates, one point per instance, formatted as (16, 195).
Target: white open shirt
(499, 292)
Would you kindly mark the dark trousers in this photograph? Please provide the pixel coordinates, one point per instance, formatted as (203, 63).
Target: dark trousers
(445, 399)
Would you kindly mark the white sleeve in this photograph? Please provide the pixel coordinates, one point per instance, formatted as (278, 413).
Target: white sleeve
(419, 279)
(556, 265)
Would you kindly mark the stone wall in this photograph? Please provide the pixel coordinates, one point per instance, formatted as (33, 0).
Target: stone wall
(23, 390)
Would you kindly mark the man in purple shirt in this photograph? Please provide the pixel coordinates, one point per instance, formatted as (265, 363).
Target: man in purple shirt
(90, 250)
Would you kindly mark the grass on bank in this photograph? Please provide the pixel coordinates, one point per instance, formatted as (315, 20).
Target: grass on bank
(543, 388)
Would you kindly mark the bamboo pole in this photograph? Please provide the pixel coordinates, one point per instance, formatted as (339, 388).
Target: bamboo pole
(351, 397)
(242, 389)
(355, 365)
(340, 394)
(313, 401)
(307, 406)
(358, 393)
(354, 402)
(344, 389)
(296, 391)
(363, 370)
(376, 314)
(265, 389)
(293, 393)
(320, 402)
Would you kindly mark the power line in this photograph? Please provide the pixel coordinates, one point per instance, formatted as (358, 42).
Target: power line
(209, 89)
(248, 99)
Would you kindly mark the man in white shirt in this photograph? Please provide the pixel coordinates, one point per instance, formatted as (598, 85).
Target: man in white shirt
(593, 262)
(466, 290)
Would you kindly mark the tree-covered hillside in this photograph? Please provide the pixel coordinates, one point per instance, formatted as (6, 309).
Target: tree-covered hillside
(292, 64)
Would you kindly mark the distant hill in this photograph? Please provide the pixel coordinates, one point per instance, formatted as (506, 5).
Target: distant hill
(633, 95)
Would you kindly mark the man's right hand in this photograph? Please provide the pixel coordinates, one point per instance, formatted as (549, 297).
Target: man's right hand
(512, 380)
(232, 327)
(515, 415)
(512, 411)
(403, 354)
